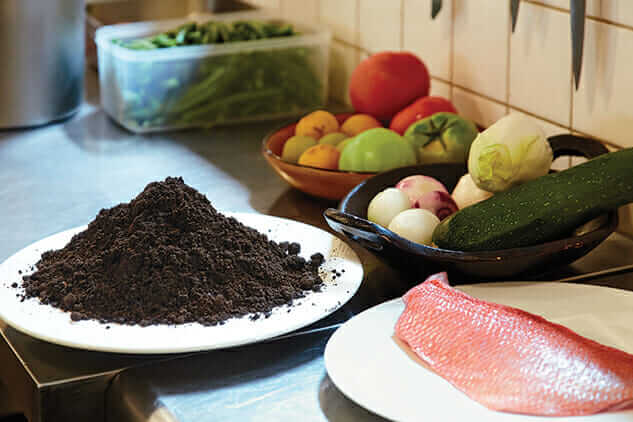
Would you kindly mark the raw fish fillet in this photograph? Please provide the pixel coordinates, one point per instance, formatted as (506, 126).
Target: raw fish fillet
(510, 360)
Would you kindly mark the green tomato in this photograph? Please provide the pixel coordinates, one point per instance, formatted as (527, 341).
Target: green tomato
(442, 138)
(377, 150)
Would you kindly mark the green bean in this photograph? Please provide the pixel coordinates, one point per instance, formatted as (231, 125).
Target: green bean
(198, 93)
(244, 97)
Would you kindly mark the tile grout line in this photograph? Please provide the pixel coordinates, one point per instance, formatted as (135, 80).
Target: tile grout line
(593, 18)
(479, 94)
(610, 22)
(547, 6)
(508, 63)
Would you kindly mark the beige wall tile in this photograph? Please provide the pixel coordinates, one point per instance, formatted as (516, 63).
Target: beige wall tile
(341, 17)
(480, 47)
(429, 39)
(561, 163)
(197, 5)
(594, 7)
(159, 9)
(620, 11)
(626, 219)
(478, 109)
(549, 128)
(540, 63)
(305, 11)
(380, 25)
(440, 89)
(563, 4)
(577, 160)
(603, 105)
(343, 61)
(271, 5)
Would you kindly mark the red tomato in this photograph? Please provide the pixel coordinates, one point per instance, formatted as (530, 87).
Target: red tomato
(385, 82)
(423, 107)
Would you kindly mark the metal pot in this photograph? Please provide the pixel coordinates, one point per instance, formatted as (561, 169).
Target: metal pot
(42, 51)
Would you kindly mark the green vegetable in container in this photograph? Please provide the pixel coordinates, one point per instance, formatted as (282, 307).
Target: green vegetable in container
(442, 138)
(375, 150)
(212, 32)
(220, 88)
(512, 151)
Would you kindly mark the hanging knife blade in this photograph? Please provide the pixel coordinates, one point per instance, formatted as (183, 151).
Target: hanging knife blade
(436, 6)
(514, 10)
(578, 10)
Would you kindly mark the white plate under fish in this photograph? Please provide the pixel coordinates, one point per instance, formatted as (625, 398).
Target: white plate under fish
(51, 324)
(365, 363)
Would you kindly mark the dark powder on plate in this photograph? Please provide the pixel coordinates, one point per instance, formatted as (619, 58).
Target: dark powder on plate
(168, 257)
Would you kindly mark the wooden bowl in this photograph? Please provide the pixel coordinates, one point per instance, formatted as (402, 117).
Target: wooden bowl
(329, 184)
(350, 220)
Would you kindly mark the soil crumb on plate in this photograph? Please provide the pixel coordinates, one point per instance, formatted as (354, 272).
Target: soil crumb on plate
(168, 257)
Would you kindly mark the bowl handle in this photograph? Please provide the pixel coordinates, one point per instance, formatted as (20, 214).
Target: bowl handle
(364, 232)
(569, 144)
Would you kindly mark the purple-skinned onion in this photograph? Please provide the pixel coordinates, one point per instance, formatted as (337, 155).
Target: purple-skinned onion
(419, 185)
(438, 202)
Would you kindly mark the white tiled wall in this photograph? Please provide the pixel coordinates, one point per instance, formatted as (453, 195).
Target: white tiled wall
(116, 11)
(488, 71)
(428, 40)
(380, 25)
(603, 105)
(306, 11)
(480, 41)
(540, 63)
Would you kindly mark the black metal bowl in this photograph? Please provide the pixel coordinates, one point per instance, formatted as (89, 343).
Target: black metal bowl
(351, 221)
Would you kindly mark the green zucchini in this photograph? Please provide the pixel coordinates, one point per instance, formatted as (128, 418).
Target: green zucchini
(547, 208)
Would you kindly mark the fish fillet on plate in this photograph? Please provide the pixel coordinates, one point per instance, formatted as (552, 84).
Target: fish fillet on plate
(511, 360)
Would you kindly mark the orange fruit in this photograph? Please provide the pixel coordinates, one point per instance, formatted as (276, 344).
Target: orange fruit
(323, 156)
(358, 123)
(317, 124)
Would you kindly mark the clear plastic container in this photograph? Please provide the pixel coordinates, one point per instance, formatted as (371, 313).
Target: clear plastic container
(208, 85)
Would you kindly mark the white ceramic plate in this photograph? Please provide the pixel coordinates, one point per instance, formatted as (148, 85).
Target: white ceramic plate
(365, 363)
(51, 324)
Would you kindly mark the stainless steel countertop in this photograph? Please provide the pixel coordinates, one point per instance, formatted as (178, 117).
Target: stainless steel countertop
(59, 176)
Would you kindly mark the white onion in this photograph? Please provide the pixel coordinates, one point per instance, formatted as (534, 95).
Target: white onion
(386, 205)
(416, 225)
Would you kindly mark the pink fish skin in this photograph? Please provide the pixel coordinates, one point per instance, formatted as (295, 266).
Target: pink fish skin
(511, 360)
